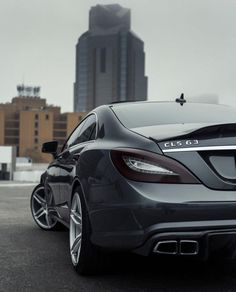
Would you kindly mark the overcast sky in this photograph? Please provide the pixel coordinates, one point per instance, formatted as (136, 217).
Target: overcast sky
(190, 46)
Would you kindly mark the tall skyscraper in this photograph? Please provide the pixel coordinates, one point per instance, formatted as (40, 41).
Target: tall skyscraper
(110, 60)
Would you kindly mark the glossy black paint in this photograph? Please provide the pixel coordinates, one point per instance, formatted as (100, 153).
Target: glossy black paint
(131, 215)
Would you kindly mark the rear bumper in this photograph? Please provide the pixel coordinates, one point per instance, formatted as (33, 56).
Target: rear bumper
(134, 216)
(198, 244)
(209, 238)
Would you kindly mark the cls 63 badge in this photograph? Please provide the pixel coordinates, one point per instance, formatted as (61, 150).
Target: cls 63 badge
(182, 143)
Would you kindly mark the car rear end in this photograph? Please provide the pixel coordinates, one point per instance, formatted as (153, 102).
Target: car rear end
(186, 194)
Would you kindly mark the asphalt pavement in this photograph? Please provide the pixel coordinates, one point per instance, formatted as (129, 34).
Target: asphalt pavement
(35, 260)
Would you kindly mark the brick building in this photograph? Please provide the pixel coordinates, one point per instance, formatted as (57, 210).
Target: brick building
(28, 121)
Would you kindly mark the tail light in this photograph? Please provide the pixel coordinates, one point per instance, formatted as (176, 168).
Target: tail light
(140, 165)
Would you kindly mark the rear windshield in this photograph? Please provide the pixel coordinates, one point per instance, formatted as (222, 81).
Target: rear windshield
(135, 115)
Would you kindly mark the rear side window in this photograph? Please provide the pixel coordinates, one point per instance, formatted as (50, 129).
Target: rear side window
(86, 131)
(83, 132)
(93, 134)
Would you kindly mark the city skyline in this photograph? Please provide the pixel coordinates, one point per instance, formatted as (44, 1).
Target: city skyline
(190, 46)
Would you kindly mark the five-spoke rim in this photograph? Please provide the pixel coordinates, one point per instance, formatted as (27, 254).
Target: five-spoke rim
(75, 228)
(41, 209)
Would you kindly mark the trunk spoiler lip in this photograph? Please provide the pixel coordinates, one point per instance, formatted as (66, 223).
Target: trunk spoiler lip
(194, 131)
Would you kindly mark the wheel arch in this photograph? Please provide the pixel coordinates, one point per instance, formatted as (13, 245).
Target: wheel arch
(77, 184)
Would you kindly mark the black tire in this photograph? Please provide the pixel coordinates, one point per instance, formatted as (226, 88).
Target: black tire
(39, 201)
(90, 259)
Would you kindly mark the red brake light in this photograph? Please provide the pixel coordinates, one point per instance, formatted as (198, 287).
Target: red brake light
(140, 165)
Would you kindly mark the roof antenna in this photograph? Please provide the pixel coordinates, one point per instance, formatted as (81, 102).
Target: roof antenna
(181, 99)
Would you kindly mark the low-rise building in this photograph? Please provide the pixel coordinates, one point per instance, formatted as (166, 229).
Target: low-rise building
(28, 121)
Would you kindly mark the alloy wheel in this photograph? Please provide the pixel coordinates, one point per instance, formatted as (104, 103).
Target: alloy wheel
(40, 206)
(75, 229)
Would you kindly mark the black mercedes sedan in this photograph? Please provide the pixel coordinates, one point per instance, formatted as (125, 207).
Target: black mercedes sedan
(146, 177)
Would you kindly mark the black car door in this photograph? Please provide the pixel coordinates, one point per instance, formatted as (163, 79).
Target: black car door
(52, 181)
(85, 133)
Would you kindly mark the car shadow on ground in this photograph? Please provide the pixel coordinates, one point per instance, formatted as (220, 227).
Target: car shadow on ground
(37, 260)
(131, 272)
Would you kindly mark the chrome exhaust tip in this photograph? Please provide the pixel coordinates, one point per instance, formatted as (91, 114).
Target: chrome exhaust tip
(188, 247)
(166, 247)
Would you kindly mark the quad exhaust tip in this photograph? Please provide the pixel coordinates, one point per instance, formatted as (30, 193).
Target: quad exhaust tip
(174, 247)
(188, 247)
(166, 247)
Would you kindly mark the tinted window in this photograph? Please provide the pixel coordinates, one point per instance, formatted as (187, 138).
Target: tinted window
(82, 133)
(72, 139)
(85, 134)
(93, 134)
(154, 113)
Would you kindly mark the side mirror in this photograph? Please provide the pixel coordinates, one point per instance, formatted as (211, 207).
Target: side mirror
(50, 147)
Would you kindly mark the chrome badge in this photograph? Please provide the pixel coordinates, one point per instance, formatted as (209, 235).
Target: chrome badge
(181, 143)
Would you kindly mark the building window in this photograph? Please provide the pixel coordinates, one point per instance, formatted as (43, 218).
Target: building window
(36, 117)
(36, 124)
(103, 60)
(35, 140)
(36, 132)
(47, 117)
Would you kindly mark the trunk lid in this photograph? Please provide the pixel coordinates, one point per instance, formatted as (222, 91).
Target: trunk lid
(207, 150)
